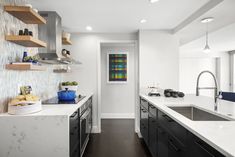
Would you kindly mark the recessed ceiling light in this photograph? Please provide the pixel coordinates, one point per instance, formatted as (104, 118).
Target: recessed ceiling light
(89, 28)
(143, 21)
(153, 1)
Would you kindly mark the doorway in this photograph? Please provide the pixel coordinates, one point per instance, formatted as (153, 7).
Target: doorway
(118, 100)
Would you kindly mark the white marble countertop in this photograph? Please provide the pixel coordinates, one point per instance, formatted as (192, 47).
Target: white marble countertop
(218, 134)
(56, 110)
(42, 134)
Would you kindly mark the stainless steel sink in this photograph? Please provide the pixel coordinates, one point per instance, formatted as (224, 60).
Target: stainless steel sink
(197, 114)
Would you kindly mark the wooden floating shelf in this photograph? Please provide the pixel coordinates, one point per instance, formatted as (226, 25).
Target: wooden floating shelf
(66, 41)
(30, 67)
(25, 40)
(25, 14)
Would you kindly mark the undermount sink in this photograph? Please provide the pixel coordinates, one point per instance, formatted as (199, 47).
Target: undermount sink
(197, 114)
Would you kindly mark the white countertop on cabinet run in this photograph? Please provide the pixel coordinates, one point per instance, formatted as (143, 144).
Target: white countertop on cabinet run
(42, 134)
(218, 134)
(55, 110)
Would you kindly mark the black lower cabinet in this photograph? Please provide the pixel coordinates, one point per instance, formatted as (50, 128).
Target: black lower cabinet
(74, 135)
(167, 138)
(144, 123)
(162, 146)
(199, 148)
(153, 135)
(175, 148)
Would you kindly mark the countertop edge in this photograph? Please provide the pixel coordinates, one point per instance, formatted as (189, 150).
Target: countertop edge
(46, 109)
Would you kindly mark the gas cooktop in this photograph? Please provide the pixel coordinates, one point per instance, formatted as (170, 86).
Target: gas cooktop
(55, 100)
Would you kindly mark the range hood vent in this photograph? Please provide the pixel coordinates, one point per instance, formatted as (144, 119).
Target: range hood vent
(51, 33)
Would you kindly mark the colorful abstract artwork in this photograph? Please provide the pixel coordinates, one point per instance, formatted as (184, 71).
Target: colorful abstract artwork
(117, 67)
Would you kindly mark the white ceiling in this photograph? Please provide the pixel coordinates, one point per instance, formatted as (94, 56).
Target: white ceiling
(120, 15)
(224, 15)
(220, 41)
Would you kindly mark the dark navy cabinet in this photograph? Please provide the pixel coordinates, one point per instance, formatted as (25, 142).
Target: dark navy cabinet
(162, 143)
(144, 123)
(74, 134)
(167, 138)
(202, 149)
(152, 130)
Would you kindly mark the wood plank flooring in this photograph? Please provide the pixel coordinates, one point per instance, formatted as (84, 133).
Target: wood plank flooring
(118, 139)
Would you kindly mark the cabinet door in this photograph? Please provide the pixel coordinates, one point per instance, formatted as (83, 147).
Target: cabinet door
(162, 145)
(172, 127)
(202, 149)
(144, 124)
(175, 148)
(153, 135)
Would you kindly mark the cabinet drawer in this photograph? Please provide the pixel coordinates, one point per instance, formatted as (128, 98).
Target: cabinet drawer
(74, 137)
(162, 147)
(152, 110)
(202, 149)
(173, 127)
(75, 152)
(144, 132)
(175, 148)
(152, 135)
(144, 123)
(74, 120)
(144, 103)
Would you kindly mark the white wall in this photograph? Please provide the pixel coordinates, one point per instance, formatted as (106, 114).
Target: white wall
(189, 71)
(44, 83)
(224, 71)
(118, 100)
(158, 59)
(191, 64)
(85, 48)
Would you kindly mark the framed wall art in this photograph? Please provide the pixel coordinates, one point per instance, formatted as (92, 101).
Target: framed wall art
(117, 67)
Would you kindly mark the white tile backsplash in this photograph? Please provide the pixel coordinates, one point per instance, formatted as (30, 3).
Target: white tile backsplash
(44, 83)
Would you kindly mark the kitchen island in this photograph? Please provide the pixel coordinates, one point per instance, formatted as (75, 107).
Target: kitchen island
(217, 134)
(46, 133)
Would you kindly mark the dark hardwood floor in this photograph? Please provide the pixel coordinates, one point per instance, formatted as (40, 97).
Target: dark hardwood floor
(118, 139)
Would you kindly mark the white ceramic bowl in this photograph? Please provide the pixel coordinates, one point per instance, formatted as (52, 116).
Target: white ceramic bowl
(27, 109)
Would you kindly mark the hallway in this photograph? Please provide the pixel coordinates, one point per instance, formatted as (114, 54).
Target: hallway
(118, 139)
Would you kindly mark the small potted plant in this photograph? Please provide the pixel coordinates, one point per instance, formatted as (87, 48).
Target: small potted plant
(69, 85)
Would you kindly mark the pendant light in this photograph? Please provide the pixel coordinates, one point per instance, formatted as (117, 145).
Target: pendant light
(207, 21)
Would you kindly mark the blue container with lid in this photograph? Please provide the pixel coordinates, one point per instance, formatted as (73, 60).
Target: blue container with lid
(66, 95)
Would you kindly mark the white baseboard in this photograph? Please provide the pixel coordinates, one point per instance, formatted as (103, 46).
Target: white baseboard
(95, 130)
(117, 116)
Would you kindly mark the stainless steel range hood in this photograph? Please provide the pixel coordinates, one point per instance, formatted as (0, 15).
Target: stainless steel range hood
(51, 33)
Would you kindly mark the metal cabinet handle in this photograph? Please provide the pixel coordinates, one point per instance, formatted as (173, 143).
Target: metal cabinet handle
(201, 146)
(168, 118)
(143, 110)
(173, 146)
(143, 100)
(75, 114)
